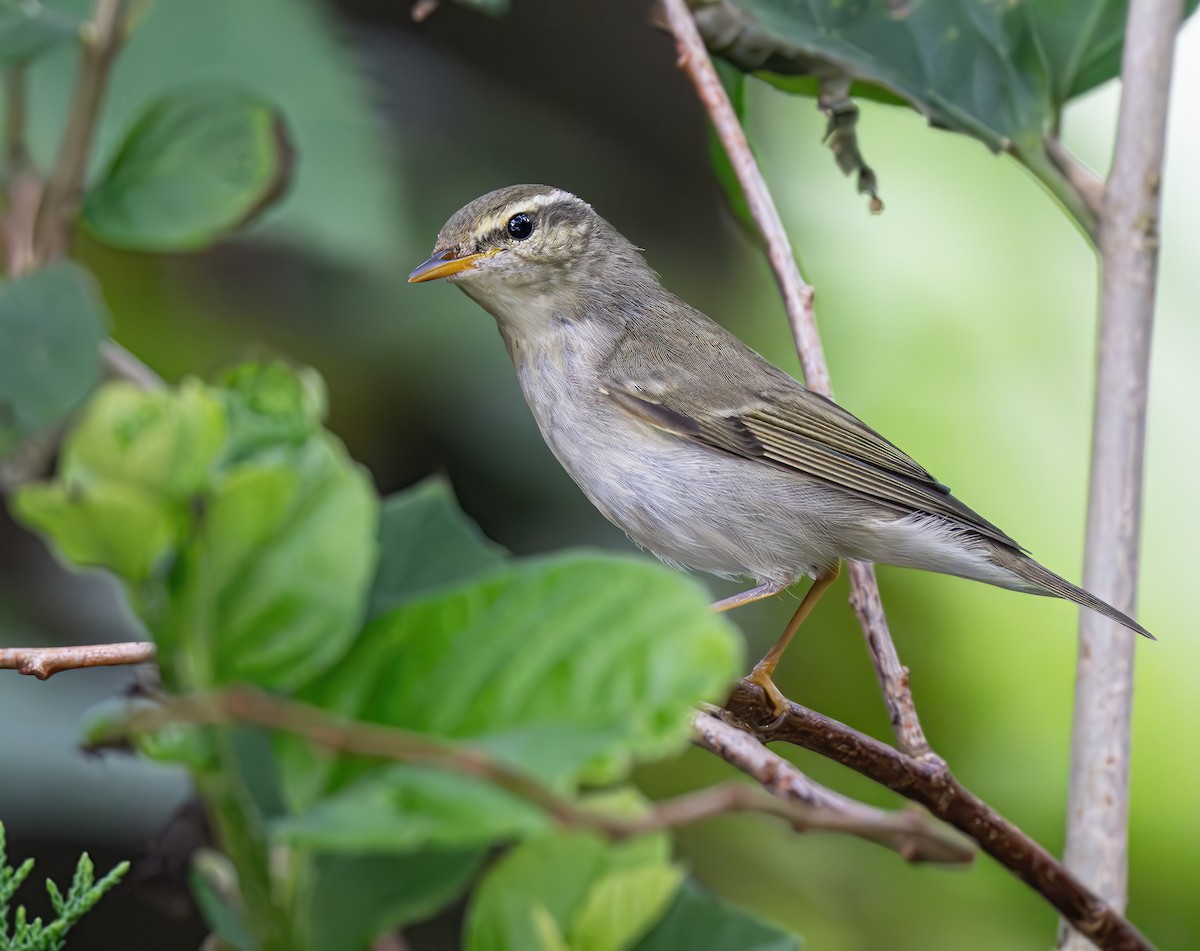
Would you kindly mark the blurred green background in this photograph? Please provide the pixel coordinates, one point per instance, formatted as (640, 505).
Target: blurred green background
(959, 323)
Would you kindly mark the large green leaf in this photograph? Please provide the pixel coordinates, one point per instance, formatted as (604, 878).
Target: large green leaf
(51, 325)
(281, 559)
(427, 543)
(357, 898)
(1000, 72)
(1081, 41)
(246, 533)
(700, 921)
(572, 890)
(585, 648)
(27, 27)
(198, 164)
(969, 65)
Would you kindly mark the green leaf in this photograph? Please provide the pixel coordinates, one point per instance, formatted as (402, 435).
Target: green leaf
(113, 525)
(51, 325)
(621, 906)
(128, 473)
(198, 164)
(346, 200)
(700, 921)
(246, 532)
(404, 808)
(165, 442)
(969, 65)
(357, 898)
(426, 543)
(566, 890)
(1081, 41)
(615, 649)
(27, 27)
(271, 403)
(283, 556)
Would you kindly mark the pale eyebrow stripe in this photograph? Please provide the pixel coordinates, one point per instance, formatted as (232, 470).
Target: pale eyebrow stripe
(531, 205)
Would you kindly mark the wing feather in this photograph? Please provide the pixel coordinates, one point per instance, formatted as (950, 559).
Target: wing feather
(818, 439)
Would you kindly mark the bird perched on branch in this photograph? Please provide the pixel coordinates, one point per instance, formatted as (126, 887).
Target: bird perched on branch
(685, 438)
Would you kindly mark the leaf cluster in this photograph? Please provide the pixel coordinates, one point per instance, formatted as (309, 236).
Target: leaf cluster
(257, 553)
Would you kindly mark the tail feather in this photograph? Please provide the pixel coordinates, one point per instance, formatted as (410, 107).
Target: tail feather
(1044, 581)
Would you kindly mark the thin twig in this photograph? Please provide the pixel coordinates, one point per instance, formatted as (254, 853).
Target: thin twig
(101, 37)
(923, 841)
(1087, 184)
(935, 787)
(120, 364)
(1098, 806)
(44, 662)
(24, 187)
(798, 299)
(367, 739)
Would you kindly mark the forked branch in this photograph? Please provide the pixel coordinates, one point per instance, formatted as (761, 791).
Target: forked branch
(933, 786)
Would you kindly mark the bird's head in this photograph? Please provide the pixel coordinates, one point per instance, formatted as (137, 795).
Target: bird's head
(526, 245)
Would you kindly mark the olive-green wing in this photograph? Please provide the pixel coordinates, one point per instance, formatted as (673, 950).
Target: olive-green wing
(796, 429)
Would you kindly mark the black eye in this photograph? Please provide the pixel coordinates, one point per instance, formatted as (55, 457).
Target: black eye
(520, 226)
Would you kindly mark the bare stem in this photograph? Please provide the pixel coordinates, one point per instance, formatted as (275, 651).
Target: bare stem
(45, 662)
(933, 785)
(1087, 184)
(24, 188)
(366, 739)
(102, 36)
(798, 300)
(1098, 807)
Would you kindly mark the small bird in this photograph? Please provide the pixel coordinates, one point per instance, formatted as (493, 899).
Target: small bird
(690, 442)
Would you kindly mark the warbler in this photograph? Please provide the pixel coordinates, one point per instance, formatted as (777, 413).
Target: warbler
(698, 448)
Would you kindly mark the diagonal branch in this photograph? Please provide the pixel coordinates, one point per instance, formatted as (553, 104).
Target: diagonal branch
(922, 841)
(935, 787)
(1098, 807)
(798, 299)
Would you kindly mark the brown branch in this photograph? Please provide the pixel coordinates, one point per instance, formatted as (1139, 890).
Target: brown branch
(910, 834)
(1098, 806)
(44, 662)
(101, 36)
(798, 299)
(933, 785)
(367, 739)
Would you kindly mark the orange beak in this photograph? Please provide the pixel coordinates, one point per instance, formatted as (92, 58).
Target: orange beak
(443, 264)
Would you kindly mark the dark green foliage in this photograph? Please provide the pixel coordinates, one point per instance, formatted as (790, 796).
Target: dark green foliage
(81, 897)
(51, 323)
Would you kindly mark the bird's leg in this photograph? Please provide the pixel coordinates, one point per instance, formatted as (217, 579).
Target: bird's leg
(746, 597)
(761, 674)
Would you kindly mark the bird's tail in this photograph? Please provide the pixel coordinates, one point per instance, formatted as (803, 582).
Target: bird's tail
(1044, 581)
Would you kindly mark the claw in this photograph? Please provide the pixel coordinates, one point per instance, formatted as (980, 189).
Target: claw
(761, 675)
